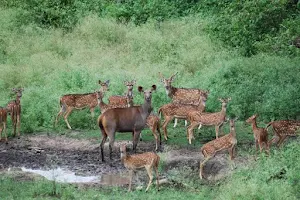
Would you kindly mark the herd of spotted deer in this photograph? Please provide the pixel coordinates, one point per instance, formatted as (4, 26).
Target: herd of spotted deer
(121, 115)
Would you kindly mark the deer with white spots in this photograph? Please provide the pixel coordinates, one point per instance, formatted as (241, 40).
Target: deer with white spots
(149, 160)
(127, 99)
(153, 122)
(228, 142)
(79, 101)
(3, 120)
(216, 119)
(132, 119)
(283, 129)
(180, 111)
(181, 95)
(14, 109)
(104, 107)
(260, 135)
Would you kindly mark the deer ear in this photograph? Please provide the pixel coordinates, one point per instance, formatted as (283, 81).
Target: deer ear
(229, 99)
(236, 118)
(125, 83)
(14, 89)
(22, 89)
(153, 87)
(100, 82)
(133, 82)
(173, 76)
(107, 82)
(140, 89)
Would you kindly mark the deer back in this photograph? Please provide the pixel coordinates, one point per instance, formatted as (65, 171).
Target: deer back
(137, 161)
(285, 127)
(79, 101)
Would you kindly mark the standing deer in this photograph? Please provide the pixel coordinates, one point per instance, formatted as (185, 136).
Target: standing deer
(216, 119)
(127, 98)
(14, 109)
(283, 129)
(181, 95)
(180, 111)
(132, 119)
(79, 101)
(3, 120)
(260, 135)
(228, 142)
(104, 107)
(149, 160)
(153, 122)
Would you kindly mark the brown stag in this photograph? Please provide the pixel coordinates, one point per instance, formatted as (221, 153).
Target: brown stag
(216, 119)
(181, 95)
(228, 142)
(79, 101)
(127, 99)
(14, 109)
(283, 129)
(3, 120)
(149, 160)
(180, 111)
(260, 135)
(132, 119)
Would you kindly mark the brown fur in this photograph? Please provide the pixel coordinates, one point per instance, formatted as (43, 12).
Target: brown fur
(283, 129)
(104, 107)
(127, 99)
(228, 142)
(149, 160)
(260, 135)
(3, 121)
(79, 101)
(207, 119)
(180, 111)
(153, 122)
(132, 119)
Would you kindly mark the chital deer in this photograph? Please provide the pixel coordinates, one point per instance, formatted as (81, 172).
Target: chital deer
(181, 95)
(14, 109)
(260, 135)
(216, 119)
(79, 101)
(3, 120)
(228, 142)
(103, 106)
(127, 99)
(180, 111)
(149, 160)
(132, 119)
(283, 129)
(153, 122)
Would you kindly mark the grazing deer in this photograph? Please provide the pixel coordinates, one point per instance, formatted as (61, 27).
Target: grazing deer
(14, 109)
(181, 95)
(153, 122)
(127, 99)
(149, 160)
(79, 101)
(3, 120)
(180, 111)
(103, 106)
(132, 119)
(228, 142)
(260, 135)
(216, 119)
(283, 129)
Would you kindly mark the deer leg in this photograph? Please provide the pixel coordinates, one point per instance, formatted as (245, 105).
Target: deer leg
(281, 140)
(165, 124)
(218, 127)
(19, 125)
(68, 112)
(231, 157)
(136, 136)
(157, 176)
(111, 145)
(1, 129)
(104, 137)
(158, 130)
(190, 134)
(14, 122)
(185, 122)
(155, 136)
(149, 171)
(175, 122)
(200, 125)
(202, 165)
(62, 110)
(4, 129)
(130, 179)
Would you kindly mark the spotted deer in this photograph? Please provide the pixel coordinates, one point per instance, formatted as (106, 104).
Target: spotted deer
(79, 101)
(283, 129)
(260, 135)
(103, 106)
(228, 142)
(180, 111)
(127, 99)
(14, 109)
(153, 122)
(149, 160)
(216, 119)
(3, 120)
(132, 119)
(181, 95)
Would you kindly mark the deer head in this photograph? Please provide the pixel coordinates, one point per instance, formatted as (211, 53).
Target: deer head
(203, 97)
(104, 85)
(167, 82)
(100, 96)
(252, 118)
(147, 93)
(18, 91)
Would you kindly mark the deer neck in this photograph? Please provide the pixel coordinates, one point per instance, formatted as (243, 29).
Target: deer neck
(232, 131)
(223, 110)
(146, 109)
(171, 91)
(18, 100)
(254, 125)
(123, 157)
(201, 106)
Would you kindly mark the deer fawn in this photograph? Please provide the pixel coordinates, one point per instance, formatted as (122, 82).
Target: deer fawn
(207, 119)
(149, 160)
(181, 95)
(180, 111)
(153, 122)
(228, 142)
(3, 120)
(79, 101)
(132, 119)
(283, 129)
(127, 99)
(260, 135)
(14, 109)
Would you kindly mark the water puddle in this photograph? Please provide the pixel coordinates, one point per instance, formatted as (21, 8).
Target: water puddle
(66, 176)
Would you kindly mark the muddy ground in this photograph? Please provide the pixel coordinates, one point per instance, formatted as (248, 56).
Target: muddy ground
(82, 156)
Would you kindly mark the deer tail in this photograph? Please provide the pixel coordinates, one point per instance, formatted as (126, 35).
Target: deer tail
(62, 105)
(269, 124)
